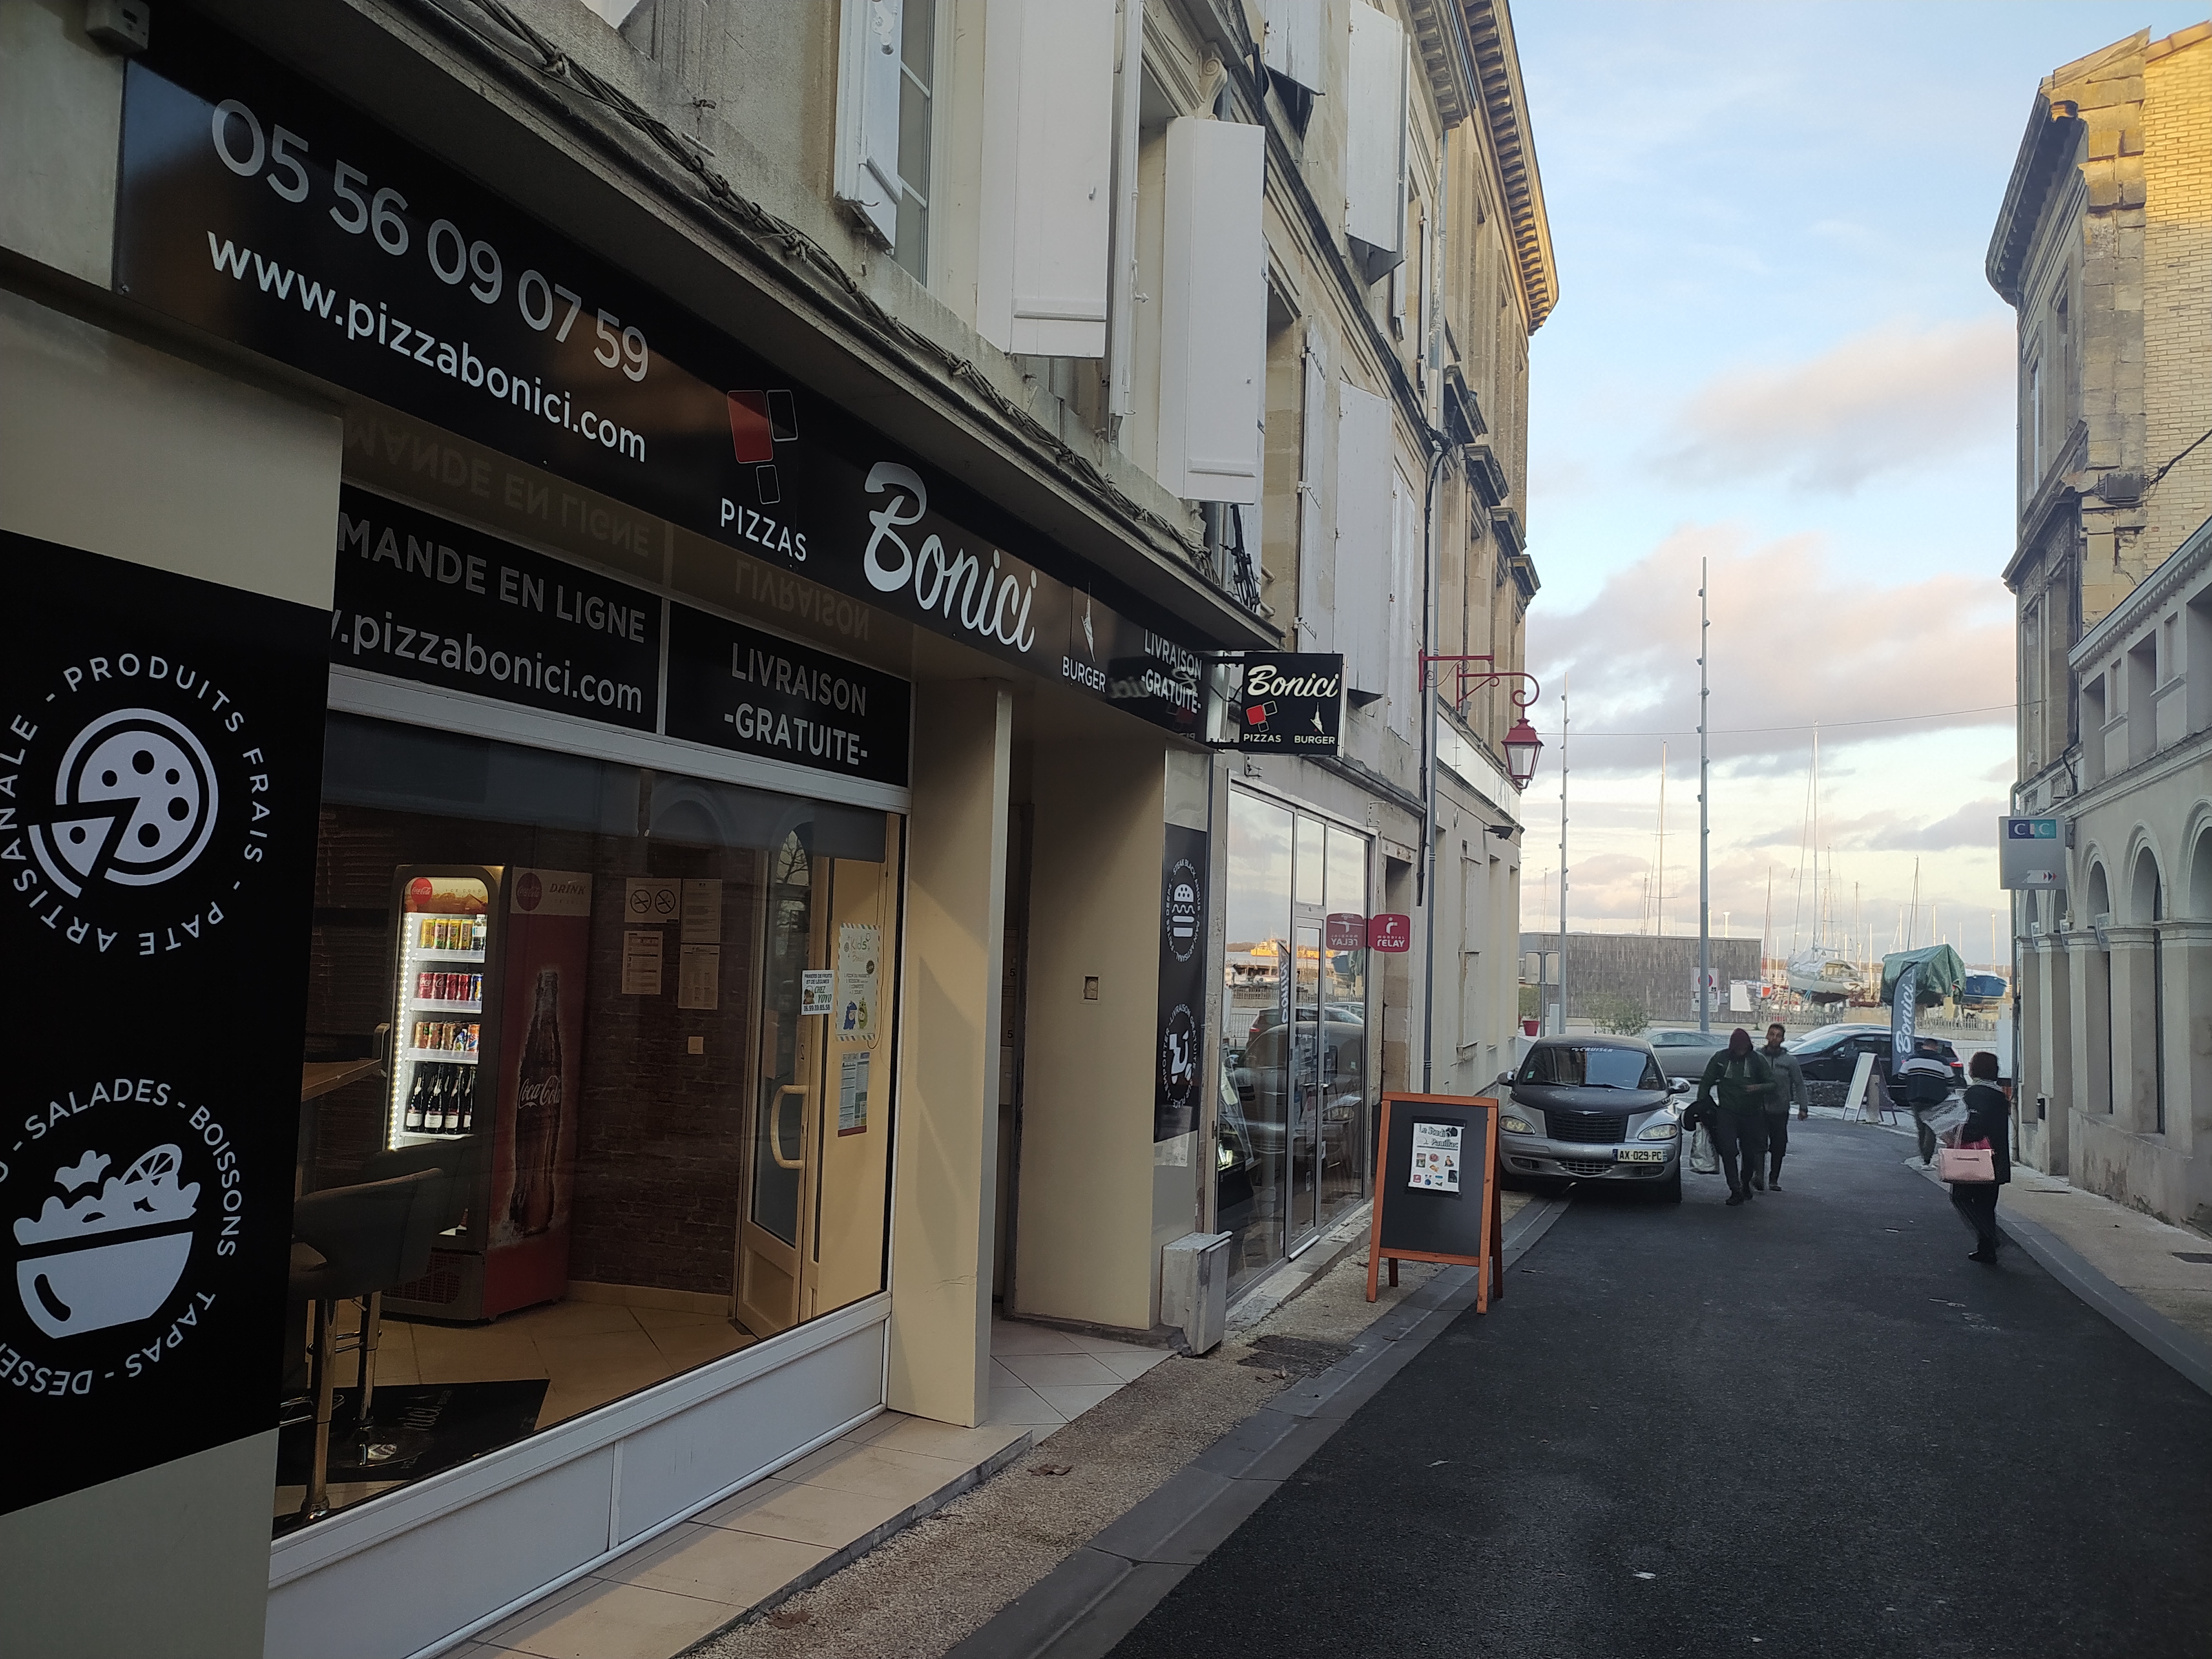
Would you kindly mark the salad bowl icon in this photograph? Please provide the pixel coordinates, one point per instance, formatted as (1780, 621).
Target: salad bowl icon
(113, 1256)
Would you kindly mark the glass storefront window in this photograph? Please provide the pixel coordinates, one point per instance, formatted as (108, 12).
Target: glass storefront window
(637, 1024)
(1295, 1099)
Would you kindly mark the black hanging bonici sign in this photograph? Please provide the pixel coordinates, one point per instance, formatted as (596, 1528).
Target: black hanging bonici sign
(159, 776)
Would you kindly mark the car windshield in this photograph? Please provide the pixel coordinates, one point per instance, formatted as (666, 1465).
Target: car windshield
(1591, 1068)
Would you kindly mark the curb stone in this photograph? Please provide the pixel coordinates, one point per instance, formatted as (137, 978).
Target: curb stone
(1091, 1600)
(2179, 1349)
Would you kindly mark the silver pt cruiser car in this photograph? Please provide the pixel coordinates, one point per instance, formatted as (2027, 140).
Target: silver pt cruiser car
(1593, 1108)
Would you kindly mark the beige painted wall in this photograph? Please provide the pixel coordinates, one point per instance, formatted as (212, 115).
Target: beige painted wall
(944, 1165)
(113, 446)
(1084, 1244)
(61, 120)
(172, 1560)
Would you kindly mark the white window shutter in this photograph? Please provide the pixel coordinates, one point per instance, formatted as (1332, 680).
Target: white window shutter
(1047, 177)
(1374, 149)
(1316, 547)
(868, 114)
(1403, 636)
(1364, 527)
(1213, 312)
(1292, 46)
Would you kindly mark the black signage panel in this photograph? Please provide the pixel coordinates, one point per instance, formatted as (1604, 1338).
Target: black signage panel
(256, 206)
(421, 598)
(734, 687)
(1182, 982)
(161, 761)
(1290, 700)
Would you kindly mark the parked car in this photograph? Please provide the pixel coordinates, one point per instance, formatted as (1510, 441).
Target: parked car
(1684, 1054)
(1830, 1055)
(1593, 1108)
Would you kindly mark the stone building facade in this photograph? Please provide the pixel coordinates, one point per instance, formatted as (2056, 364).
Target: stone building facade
(988, 374)
(2103, 247)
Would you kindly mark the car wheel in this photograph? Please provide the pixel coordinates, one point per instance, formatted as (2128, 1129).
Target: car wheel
(1669, 1191)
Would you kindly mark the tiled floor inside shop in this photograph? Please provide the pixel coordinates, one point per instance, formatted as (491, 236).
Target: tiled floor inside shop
(589, 1352)
(665, 1595)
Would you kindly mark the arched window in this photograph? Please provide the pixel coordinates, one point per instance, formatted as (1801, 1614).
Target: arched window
(2200, 876)
(2146, 905)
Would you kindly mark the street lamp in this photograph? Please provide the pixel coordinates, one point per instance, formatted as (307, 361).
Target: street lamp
(1522, 745)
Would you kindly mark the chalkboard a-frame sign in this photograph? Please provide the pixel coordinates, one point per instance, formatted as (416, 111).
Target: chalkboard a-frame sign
(1435, 1190)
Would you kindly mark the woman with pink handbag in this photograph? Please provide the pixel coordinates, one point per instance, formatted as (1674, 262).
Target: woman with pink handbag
(1977, 1163)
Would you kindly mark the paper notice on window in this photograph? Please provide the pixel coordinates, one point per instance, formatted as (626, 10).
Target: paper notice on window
(699, 977)
(647, 899)
(860, 965)
(853, 1092)
(816, 991)
(641, 962)
(1436, 1157)
(702, 913)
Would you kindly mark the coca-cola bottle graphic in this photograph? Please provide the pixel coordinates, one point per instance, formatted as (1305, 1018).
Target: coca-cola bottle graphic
(540, 1090)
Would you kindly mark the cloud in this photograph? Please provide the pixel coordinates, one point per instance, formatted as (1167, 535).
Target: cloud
(1796, 641)
(1972, 825)
(1893, 398)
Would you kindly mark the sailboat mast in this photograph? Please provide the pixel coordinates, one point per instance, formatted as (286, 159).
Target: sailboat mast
(1659, 879)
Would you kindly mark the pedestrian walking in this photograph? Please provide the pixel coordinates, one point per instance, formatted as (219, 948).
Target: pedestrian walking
(1731, 1101)
(1989, 1119)
(1789, 1090)
(1924, 1079)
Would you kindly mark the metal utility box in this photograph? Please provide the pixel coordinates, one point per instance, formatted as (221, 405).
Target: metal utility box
(1194, 1288)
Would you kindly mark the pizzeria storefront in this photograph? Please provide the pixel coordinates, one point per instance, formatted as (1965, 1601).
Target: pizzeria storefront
(611, 863)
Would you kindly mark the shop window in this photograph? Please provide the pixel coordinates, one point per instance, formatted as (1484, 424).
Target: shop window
(639, 1025)
(1296, 1106)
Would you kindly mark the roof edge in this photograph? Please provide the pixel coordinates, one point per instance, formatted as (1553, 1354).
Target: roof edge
(1505, 110)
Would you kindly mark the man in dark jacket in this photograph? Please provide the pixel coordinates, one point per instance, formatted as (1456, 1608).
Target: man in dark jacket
(1789, 1090)
(1731, 1101)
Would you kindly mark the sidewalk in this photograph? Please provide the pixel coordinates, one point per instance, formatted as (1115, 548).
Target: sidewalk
(2152, 1280)
(1002, 1550)
(890, 1541)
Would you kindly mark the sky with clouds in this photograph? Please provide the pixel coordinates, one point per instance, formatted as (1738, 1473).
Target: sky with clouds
(1775, 350)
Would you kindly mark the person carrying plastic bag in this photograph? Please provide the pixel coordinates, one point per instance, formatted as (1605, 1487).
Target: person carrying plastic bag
(1731, 1101)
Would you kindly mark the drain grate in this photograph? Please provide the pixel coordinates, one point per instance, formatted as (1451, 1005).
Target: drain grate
(1301, 1356)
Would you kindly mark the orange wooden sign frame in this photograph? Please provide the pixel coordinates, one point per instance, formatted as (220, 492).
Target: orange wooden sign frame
(1490, 1265)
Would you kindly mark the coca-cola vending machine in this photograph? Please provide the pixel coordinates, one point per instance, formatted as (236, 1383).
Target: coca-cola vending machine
(487, 1056)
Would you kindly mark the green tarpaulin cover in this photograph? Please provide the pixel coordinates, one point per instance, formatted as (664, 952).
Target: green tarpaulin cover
(1941, 973)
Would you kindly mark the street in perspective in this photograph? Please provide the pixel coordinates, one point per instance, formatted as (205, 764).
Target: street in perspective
(1035, 828)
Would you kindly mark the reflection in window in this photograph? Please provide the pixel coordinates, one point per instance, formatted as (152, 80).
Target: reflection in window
(1592, 1068)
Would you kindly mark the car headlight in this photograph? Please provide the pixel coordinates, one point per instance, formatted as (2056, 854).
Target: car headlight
(1512, 1125)
(1660, 1128)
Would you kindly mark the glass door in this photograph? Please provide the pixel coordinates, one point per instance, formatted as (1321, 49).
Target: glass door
(1306, 1099)
(786, 1104)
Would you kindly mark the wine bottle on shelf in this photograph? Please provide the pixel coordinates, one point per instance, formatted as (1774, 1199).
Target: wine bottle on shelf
(411, 1119)
(445, 1115)
(469, 1105)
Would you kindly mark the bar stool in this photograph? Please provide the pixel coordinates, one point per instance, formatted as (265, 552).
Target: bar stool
(353, 1243)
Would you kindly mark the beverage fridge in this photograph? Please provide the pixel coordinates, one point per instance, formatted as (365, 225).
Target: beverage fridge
(489, 968)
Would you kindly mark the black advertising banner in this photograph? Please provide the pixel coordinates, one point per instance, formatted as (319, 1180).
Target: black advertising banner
(734, 687)
(1289, 701)
(259, 208)
(1182, 982)
(420, 598)
(161, 761)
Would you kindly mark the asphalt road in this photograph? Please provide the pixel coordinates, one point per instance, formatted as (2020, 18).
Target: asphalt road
(1808, 1425)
